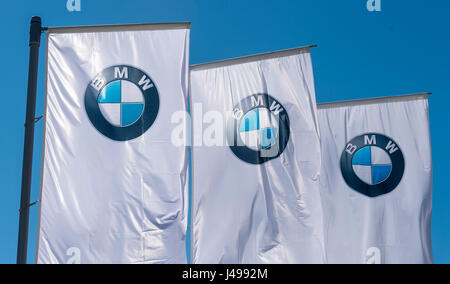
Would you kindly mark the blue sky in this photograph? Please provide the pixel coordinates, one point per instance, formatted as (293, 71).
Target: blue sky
(403, 49)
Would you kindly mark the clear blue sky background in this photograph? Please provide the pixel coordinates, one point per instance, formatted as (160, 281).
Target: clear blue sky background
(403, 49)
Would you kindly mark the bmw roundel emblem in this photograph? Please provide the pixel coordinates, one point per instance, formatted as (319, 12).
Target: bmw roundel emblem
(259, 129)
(122, 102)
(372, 164)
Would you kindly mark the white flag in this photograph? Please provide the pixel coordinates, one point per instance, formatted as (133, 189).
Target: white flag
(256, 161)
(377, 176)
(114, 187)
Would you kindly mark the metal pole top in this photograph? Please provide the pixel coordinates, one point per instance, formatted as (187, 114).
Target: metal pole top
(35, 31)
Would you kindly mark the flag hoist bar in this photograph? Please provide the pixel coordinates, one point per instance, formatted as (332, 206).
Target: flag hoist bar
(390, 99)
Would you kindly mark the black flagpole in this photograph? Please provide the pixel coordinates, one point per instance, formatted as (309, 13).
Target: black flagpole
(35, 41)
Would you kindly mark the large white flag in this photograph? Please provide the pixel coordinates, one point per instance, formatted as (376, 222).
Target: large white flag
(377, 176)
(256, 161)
(114, 187)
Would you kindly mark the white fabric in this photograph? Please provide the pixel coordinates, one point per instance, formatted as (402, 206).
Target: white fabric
(131, 93)
(105, 201)
(269, 213)
(393, 228)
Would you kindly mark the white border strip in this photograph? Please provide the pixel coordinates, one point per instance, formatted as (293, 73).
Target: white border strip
(43, 151)
(191, 178)
(252, 58)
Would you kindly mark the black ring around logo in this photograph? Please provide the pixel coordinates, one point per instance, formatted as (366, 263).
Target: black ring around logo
(386, 144)
(149, 92)
(237, 145)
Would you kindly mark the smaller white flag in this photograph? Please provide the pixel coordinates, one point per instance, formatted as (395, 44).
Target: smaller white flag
(256, 198)
(377, 180)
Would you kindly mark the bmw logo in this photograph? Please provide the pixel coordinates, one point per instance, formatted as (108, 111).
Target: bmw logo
(259, 129)
(372, 164)
(122, 102)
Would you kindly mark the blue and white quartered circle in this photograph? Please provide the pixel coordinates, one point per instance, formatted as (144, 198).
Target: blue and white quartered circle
(259, 129)
(121, 103)
(372, 165)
